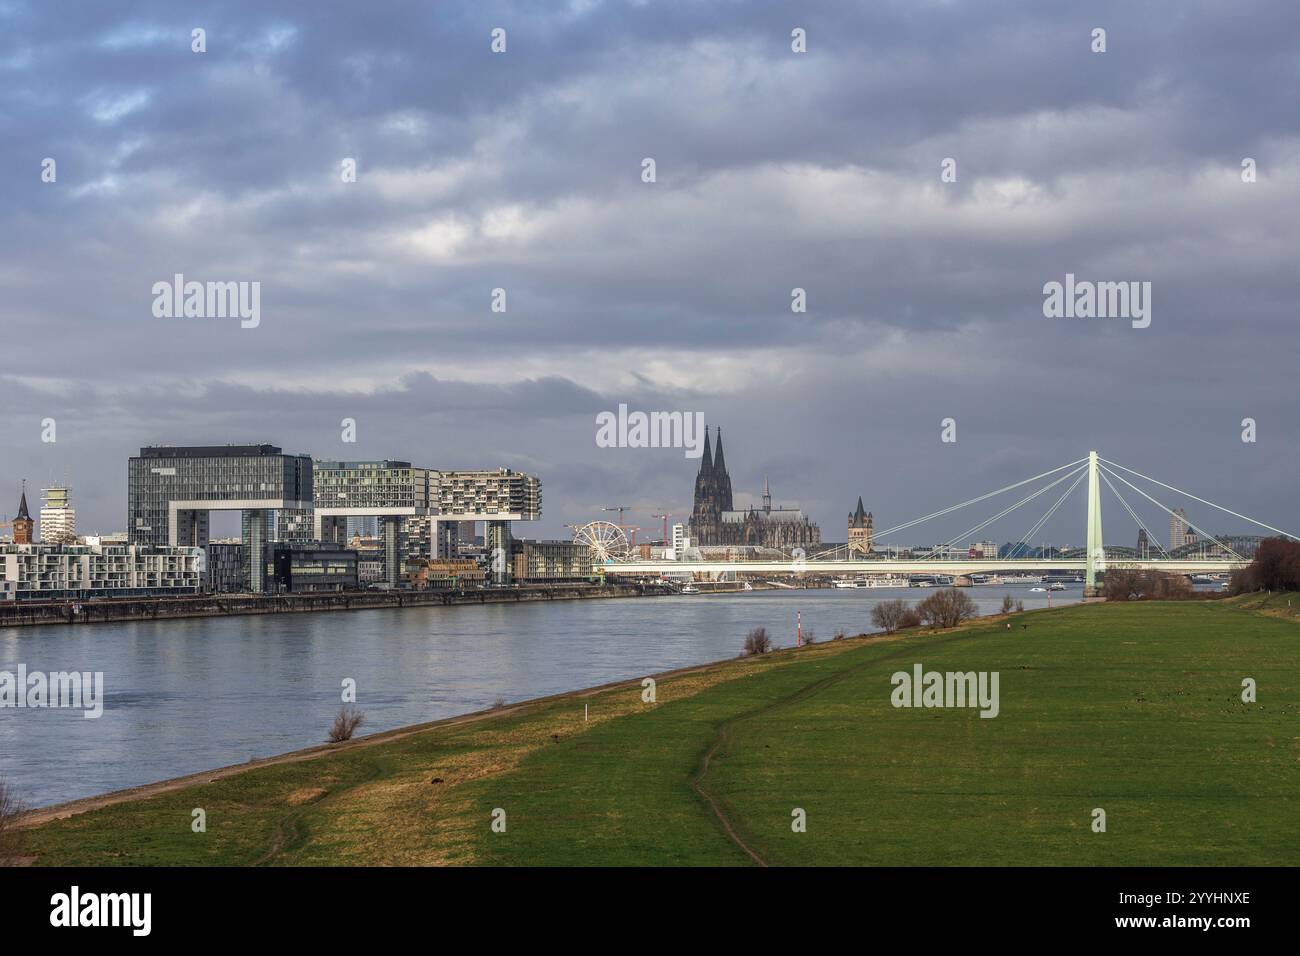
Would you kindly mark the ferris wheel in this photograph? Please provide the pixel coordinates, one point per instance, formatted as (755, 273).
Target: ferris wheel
(605, 540)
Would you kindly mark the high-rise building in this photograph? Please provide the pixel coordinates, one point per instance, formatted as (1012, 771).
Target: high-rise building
(1180, 532)
(1143, 550)
(58, 517)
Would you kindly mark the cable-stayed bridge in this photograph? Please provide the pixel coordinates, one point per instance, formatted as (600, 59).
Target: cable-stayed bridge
(1217, 553)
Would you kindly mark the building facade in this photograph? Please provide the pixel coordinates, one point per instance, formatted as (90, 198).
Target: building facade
(306, 568)
(59, 571)
(172, 490)
(861, 530)
(1180, 532)
(715, 521)
(58, 517)
(225, 567)
(23, 526)
(456, 573)
(551, 561)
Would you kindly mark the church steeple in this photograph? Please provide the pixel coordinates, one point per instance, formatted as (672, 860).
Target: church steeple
(719, 465)
(767, 496)
(859, 517)
(23, 524)
(706, 462)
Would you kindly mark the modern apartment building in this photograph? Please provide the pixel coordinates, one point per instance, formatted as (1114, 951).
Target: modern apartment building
(225, 567)
(503, 494)
(301, 568)
(551, 560)
(172, 490)
(58, 571)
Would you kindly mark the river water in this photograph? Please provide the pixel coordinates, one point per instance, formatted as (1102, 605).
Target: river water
(185, 696)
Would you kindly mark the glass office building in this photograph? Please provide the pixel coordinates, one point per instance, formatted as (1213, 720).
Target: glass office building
(171, 490)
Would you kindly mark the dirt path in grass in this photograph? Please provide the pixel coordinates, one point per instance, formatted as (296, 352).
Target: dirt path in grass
(808, 690)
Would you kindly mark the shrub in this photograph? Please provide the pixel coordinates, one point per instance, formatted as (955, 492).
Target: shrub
(10, 808)
(345, 724)
(1008, 604)
(757, 642)
(889, 615)
(947, 608)
(810, 636)
(1131, 584)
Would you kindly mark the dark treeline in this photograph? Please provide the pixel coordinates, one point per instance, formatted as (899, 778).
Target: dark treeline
(1276, 568)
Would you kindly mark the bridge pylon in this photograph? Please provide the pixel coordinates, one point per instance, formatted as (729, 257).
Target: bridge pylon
(1096, 550)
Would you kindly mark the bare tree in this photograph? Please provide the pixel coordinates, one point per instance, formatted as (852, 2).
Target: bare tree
(10, 808)
(889, 615)
(757, 642)
(345, 724)
(947, 608)
(1132, 584)
(1008, 605)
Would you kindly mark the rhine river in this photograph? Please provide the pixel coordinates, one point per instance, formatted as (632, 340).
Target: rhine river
(186, 696)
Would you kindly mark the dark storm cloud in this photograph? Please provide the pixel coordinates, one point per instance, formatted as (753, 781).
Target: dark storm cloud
(775, 170)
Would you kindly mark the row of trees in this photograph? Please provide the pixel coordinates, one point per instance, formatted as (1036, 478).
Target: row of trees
(1130, 584)
(946, 608)
(1276, 567)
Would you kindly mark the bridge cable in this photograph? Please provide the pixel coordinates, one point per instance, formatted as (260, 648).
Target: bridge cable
(1029, 535)
(991, 494)
(1133, 514)
(1201, 500)
(1023, 501)
(1170, 512)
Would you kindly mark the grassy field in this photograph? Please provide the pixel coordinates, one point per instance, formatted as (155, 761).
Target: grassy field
(1135, 709)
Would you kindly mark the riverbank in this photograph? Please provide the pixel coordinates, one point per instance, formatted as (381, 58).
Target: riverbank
(1135, 708)
(113, 610)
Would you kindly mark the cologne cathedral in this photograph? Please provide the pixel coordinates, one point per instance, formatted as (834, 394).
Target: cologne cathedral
(715, 521)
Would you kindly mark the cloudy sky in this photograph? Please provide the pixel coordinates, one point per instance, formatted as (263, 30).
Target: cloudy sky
(522, 170)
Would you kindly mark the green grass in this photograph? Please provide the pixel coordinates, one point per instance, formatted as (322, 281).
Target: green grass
(1135, 709)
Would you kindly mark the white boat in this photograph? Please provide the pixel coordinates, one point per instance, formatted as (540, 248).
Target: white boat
(922, 584)
(884, 583)
(746, 586)
(1022, 579)
(1056, 586)
(690, 589)
(844, 583)
(1038, 589)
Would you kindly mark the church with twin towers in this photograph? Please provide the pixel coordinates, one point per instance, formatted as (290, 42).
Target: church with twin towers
(716, 521)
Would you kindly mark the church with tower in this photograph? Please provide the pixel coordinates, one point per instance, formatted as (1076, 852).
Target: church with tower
(716, 521)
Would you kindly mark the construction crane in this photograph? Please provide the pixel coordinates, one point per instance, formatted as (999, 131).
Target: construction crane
(626, 529)
(665, 517)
